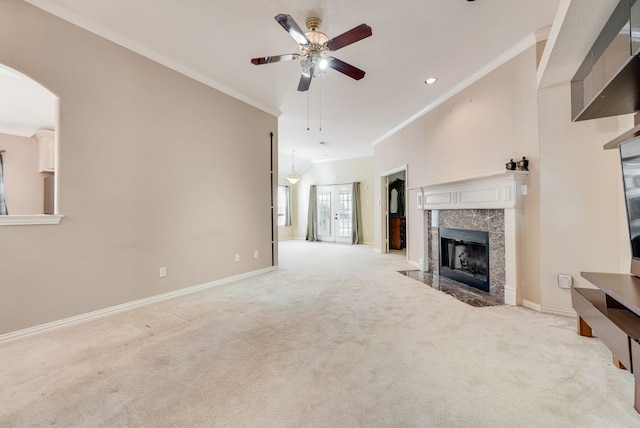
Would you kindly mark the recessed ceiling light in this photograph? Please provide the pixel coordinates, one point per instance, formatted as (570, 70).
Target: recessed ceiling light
(431, 80)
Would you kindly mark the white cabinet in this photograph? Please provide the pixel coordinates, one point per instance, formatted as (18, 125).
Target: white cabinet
(46, 150)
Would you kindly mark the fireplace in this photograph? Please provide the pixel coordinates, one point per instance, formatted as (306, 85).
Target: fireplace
(490, 202)
(480, 235)
(464, 256)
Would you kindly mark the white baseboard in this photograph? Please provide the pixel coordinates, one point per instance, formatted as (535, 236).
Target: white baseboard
(532, 305)
(559, 311)
(547, 310)
(101, 313)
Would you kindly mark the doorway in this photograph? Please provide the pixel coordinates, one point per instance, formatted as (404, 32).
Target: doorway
(395, 220)
(335, 213)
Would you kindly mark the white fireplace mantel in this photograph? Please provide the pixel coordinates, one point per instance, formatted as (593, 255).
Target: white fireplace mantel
(499, 190)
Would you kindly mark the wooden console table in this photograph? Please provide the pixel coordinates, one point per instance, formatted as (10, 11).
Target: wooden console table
(613, 312)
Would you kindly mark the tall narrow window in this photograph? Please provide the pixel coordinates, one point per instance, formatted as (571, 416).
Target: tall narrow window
(3, 205)
(284, 206)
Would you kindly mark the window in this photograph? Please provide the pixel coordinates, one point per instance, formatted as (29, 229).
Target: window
(284, 206)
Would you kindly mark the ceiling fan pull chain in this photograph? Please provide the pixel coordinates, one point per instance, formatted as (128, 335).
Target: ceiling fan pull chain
(308, 105)
(320, 98)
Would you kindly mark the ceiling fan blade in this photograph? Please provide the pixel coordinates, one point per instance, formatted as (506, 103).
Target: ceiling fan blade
(344, 68)
(292, 27)
(275, 58)
(305, 80)
(360, 32)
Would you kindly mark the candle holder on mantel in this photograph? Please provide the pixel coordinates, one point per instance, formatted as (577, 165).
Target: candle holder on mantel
(511, 165)
(523, 165)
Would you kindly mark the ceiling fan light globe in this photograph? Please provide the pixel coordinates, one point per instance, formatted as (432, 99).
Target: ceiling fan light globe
(323, 63)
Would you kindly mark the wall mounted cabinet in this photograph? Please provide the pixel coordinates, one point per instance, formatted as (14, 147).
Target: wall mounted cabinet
(608, 81)
(46, 150)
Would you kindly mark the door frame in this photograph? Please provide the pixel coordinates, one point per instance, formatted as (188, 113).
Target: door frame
(384, 208)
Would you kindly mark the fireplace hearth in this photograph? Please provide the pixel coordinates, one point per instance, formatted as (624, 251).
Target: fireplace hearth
(464, 256)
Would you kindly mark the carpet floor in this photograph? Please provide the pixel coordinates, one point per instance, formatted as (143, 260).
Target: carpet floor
(335, 338)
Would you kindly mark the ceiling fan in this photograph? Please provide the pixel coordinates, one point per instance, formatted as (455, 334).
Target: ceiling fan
(314, 47)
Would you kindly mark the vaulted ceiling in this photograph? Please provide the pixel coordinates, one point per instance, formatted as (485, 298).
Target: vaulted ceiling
(213, 41)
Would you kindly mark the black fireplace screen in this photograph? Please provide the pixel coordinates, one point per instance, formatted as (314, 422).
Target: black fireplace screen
(464, 256)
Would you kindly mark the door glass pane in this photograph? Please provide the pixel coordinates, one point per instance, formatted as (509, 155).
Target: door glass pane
(344, 214)
(324, 213)
(283, 201)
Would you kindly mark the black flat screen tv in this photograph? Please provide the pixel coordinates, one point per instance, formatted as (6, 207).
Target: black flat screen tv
(630, 161)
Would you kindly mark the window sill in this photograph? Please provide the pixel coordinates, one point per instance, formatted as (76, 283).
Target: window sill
(28, 220)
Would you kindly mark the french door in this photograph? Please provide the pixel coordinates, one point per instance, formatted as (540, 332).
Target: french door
(335, 209)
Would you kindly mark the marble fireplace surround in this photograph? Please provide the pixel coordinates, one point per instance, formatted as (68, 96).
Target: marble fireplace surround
(491, 202)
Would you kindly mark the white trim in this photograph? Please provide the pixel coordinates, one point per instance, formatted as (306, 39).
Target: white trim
(30, 220)
(531, 305)
(495, 190)
(546, 310)
(512, 273)
(542, 34)
(559, 311)
(415, 264)
(395, 171)
(506, 56)
(101, 313)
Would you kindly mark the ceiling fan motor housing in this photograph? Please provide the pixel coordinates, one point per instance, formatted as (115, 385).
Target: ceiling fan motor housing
(318, 39)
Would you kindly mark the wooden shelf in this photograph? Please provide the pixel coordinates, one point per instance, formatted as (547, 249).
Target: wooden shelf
(622, 287)
(630, 134)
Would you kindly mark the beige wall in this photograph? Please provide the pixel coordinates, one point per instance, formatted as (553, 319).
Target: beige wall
(156, 170)
(404, 148)
(483, 126)
(582, 206)
(337, 172)
(23, 184)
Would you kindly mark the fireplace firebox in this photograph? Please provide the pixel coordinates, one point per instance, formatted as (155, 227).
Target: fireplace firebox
(464, 256)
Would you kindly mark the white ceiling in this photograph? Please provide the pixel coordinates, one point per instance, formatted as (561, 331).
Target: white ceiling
(214, 40)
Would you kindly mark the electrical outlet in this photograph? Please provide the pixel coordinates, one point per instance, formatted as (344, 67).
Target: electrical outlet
(256, 254)
(163, 272)
(565, 281)
(237, 257)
